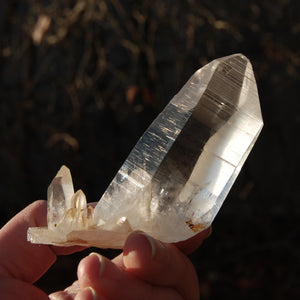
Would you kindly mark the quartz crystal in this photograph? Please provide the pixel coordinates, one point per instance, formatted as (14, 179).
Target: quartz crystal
(177, 176)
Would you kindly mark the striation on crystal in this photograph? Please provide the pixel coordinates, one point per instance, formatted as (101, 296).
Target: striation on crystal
(176, 178)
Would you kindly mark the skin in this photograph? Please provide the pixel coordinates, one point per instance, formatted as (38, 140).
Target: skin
(146, 269)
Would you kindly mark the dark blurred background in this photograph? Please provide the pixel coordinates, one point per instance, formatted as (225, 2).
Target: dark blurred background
(81, 80)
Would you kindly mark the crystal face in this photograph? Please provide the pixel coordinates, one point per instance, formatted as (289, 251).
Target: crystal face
(179, 173)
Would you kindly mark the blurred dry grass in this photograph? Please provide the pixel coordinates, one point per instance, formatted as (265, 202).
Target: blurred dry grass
(81, 80)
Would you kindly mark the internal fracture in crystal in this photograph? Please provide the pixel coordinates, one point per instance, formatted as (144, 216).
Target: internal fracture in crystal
(179, 173)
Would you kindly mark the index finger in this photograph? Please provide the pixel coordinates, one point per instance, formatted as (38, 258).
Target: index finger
(20, 259)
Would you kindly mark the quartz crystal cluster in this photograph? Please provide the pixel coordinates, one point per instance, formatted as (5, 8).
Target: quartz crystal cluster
(177, 176)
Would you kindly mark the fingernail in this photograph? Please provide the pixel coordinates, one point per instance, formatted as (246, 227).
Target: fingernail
(101, 261)
(151, 242)
(156, 245)
(92, 292)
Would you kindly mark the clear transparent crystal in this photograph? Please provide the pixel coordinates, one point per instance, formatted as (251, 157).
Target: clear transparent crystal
(179, 173)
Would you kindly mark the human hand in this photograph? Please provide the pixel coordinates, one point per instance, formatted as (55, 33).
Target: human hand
(23, 263)
(147, 269)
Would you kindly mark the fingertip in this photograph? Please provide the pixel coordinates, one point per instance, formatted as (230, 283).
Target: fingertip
(152, 243)
(90, 269)
(87, 293)
(100, 261)
(90, 293)
(139, 248)
(36, 213)
(160, 264)
(190, 245)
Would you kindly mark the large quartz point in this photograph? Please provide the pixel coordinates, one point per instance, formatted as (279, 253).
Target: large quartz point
(177, 176)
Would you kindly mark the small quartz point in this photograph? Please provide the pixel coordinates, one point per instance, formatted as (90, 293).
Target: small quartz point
(176, 178)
